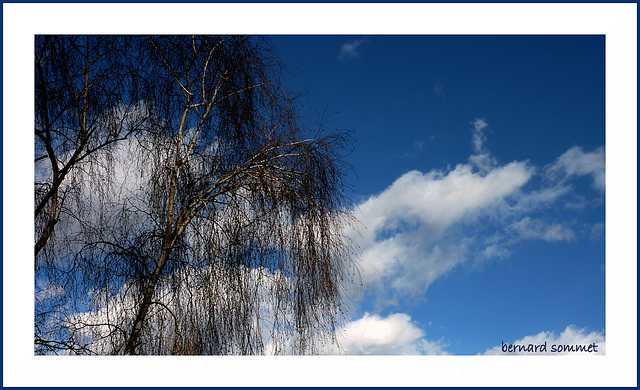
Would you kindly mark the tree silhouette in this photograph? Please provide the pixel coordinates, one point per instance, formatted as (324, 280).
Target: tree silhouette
(213, 226)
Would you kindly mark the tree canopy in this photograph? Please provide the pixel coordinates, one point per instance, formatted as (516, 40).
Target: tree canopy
(182, 204)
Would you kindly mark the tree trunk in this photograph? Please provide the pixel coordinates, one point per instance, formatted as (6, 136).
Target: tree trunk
(149, 290)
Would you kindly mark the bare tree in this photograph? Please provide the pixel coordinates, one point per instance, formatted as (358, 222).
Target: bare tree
(79, 84)
(221, 227)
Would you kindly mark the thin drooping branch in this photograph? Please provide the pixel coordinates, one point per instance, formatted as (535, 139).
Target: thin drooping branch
(81, 82)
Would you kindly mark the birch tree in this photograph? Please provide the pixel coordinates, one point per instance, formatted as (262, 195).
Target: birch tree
(219, 230)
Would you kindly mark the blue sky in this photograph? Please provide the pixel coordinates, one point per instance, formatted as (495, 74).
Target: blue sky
(499, 140)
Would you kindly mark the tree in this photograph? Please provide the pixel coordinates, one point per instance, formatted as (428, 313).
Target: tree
(220, 227)
(79, 83)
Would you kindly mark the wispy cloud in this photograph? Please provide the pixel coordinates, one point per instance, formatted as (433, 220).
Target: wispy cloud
(481, 156)
(596, 232)
(351, 49)
(438, 90)
(566, 343)
(478, 137)
(576, 162)
(537, 229)
(418, 146)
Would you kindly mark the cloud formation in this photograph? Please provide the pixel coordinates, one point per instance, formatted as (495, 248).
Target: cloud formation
(481, 157)
(575, 162)
(537, 229)
(565, 343)
(425, 224)
(351, 49)
(438, 90)
(403, 242)
(405, 224)
(478, 137)
(392, 335)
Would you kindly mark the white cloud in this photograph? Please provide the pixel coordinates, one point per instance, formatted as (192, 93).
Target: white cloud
(438, 199)
(575, 162)
(572, 339)
(403, 241)
(542, 197)
(481, 156)
(351, 49)
(495, 251)
(392, 335)
(478, 137)
(536, 229)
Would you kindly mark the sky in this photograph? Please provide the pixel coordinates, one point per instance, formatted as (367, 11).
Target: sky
(478, 182)
(422, 103)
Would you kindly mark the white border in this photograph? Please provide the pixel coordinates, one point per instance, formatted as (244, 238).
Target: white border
(617, 21)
